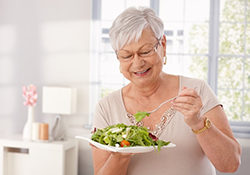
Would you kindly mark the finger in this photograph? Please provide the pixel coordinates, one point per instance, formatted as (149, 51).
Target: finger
(185, 99)
(118, 154)
(184, 87)
(188, 102)
(186, 109)
(93, 146)
(186, 112)
(184, 106)
(188, 92)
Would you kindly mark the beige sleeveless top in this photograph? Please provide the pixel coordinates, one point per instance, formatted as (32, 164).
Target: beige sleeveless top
(187, 158)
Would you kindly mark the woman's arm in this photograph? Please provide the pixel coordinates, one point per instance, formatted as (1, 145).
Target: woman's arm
(108, 163)
(218, 142)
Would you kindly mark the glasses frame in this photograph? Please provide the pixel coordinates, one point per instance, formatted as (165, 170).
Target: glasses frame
(138, 52)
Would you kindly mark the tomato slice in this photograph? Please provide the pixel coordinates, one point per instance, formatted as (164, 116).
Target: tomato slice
(124, 143)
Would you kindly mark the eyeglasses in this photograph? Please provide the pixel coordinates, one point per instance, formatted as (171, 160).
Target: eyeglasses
(146, 51)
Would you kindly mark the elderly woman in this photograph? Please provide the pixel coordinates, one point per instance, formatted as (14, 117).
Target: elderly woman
(195, 121)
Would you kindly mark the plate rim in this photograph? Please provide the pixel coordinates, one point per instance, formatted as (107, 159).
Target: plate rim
(134, 149)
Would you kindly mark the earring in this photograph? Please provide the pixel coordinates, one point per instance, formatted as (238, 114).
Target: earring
(165, 60)
(120, 69)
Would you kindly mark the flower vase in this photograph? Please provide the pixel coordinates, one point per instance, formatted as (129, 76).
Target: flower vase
(27, 130)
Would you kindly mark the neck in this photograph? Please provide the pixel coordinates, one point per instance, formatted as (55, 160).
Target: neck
(153, 89)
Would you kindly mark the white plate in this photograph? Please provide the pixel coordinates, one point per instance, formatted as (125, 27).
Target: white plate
(135, 149)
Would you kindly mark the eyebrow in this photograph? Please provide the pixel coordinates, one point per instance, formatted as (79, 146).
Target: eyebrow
(139, 47)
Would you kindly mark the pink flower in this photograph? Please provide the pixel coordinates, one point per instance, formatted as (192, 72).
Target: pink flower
(30, 95)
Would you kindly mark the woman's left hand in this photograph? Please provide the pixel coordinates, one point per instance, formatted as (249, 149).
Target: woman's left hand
(189, 103)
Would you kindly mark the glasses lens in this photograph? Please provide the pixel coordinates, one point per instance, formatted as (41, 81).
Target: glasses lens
(145, 51)
(123, 55)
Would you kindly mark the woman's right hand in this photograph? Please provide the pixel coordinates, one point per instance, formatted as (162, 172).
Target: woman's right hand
(119, 154)
(107, 162)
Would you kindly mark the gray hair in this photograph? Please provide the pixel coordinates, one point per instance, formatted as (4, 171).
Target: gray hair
(128, 26)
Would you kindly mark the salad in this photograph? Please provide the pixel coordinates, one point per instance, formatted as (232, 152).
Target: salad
(121, 135)
(140, 115)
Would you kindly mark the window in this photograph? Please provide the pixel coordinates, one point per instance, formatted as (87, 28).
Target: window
(186, 31)
(233, 59)
(207, 39)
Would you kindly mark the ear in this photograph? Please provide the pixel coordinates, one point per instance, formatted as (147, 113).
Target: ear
(164, 44)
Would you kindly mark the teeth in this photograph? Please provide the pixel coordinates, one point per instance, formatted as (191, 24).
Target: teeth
(142, 72)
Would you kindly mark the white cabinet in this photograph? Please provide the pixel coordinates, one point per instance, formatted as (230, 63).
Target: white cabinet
(18, 157)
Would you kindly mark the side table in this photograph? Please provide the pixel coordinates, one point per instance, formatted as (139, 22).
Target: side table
(18, 157)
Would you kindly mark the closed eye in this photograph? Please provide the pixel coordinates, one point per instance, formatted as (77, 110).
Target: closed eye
(145, 53)
(127, 56)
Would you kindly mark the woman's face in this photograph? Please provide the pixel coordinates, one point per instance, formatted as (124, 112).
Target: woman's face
(143, 70)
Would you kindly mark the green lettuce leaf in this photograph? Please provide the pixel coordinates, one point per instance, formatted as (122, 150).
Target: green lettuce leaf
(135, 135)
(140, 115)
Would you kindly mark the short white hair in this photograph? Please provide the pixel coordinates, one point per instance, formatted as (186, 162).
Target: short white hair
(128, 26)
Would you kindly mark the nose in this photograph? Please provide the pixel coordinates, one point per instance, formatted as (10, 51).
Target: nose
(138, 61)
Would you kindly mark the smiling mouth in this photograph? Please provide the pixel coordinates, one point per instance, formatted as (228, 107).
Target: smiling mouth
(143, 72)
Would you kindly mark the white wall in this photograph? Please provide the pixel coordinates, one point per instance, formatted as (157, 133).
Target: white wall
(45, 42)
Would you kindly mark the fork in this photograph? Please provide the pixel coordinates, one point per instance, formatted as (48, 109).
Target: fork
(150, 112)
(141, 114)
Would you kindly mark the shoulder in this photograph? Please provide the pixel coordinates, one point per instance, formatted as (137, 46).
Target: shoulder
(209, 98)
(111, 101)
(192, 82)
(199, 84)
(108, 110)
(112, 97)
